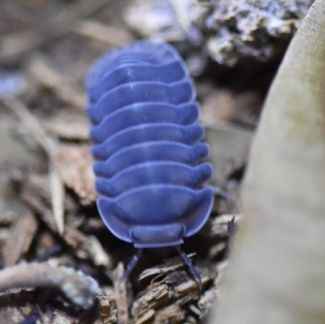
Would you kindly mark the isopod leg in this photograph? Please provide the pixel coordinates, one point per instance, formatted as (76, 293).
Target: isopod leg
(132, 263)
(190, 266)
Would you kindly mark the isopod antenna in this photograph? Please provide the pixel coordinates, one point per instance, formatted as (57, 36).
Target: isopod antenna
(137, 256)
(133, 263)
(190, 266)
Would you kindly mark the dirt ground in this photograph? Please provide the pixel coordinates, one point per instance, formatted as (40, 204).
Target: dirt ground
(59, 263)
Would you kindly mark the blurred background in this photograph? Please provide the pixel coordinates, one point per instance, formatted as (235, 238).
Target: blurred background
(47, 212)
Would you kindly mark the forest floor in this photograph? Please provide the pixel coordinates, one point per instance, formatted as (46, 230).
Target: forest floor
(49, 224)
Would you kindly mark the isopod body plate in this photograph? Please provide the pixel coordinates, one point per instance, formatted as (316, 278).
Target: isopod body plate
(149, 158)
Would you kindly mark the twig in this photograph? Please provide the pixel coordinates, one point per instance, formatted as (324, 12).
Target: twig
(74, 239)
(48, 77)
(49, 146)
(181, 11)
(33, 125)
(109, 35)
(77, 287)
(74, 164)
(168, 266)
(67, 127)
(82, 245)
(20, 238)
(57, 196)
(121, 295)
(56, 26)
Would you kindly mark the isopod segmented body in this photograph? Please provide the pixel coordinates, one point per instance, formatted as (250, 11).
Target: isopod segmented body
(149, 158)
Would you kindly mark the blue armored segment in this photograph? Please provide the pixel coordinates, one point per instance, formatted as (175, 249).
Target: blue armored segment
(126, 73)
(143, 113)
(149, 159)
(148, 133)
(136, 92)
(154, 172)
(132, 208)
(154, 55)
(151, 151)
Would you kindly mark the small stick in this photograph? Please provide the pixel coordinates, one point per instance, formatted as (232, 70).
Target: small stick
(121, 295)
(49, 145)
(110, 35)
(26, 117)
(52, 79)
(44, 32)
(77, 287)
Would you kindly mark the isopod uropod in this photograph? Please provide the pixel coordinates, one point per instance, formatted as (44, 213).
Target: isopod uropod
(147, 145)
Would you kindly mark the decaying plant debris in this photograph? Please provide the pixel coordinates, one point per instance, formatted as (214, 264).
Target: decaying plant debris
(227, 31)
(48, 218)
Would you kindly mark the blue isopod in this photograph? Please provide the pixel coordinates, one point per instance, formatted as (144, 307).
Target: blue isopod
(150, 163)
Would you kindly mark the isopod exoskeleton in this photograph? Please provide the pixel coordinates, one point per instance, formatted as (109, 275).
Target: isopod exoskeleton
(147, 144)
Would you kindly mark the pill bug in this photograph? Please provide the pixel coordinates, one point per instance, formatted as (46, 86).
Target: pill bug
(147, 145)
